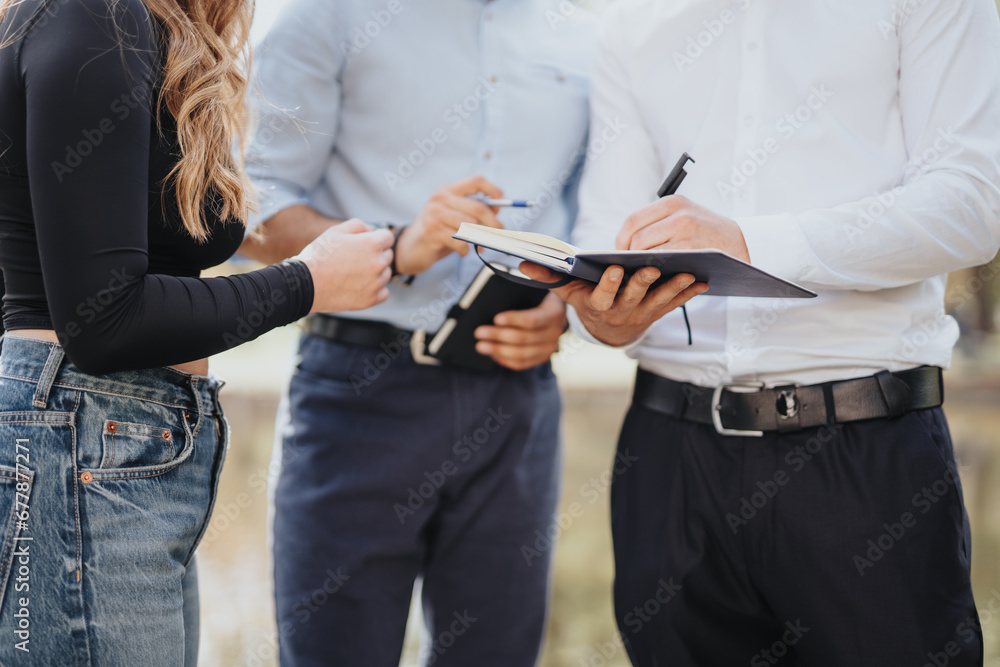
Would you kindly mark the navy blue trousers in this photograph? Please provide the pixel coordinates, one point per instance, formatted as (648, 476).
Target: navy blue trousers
(391, 470)
(837, 546)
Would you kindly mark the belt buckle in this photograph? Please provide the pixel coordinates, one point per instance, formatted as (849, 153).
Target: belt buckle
(418, 349)
(737, 388)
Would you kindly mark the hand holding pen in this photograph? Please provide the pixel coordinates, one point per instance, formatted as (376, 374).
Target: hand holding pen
(501, 203)
(674, 222)
(429, 238)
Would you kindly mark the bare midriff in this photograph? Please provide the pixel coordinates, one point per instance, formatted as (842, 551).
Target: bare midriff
(199, 367)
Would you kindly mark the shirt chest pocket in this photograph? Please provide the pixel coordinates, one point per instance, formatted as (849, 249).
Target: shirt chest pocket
(551, 79)
(125, 444)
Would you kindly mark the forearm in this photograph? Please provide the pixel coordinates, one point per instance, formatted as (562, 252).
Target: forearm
(285, 234)
(939, 223)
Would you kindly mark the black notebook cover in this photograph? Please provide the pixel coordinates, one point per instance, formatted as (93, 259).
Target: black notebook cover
(487, 296)
(725, 275)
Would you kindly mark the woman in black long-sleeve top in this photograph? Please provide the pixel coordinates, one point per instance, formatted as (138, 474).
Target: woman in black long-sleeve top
(117, 187)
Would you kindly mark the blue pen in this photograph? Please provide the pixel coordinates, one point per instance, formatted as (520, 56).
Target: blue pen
(515, 203)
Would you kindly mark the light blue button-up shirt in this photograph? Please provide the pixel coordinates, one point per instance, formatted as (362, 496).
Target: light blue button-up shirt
(372, 105)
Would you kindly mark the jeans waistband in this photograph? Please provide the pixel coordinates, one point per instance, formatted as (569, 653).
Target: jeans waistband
(45, 364)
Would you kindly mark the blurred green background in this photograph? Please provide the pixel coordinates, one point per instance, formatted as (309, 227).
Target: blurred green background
(237, 625)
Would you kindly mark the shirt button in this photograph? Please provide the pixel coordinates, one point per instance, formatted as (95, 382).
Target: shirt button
(748, 120)
(752, 46)
(493, 79)
(488, 155)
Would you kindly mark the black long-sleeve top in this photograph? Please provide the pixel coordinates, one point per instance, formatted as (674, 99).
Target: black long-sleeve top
(89, 245)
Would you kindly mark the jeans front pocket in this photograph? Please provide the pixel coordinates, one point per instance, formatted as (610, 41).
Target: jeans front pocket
(130, 438)
(127, 444)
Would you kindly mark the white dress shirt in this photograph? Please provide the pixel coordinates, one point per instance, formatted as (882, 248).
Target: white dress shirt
(855, 142)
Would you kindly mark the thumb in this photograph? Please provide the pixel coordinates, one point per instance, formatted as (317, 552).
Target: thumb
(352, 226)
(546, 275)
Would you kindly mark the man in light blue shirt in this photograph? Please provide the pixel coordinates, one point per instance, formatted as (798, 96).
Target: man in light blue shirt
(393, 111)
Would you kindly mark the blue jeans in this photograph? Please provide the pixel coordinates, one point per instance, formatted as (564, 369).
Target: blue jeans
(392, 470)
(106, 486)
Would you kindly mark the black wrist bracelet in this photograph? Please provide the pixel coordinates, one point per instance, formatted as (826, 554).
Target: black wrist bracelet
(396, 233)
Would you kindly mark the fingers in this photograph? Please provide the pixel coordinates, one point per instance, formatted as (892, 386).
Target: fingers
(674, 293)
(635, 290)
(445, 223)
(658, 210)
(517, 357)
(681, 299)
(383, 239)
(535, 318)
(471, 186)
(539, 272)
(516, 336)
(473, 211)
(603, 296)
(352, 226)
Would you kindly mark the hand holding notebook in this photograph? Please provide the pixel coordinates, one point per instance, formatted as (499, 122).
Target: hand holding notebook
(636, 287)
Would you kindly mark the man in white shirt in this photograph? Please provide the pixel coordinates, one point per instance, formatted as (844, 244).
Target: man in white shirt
(853, 148)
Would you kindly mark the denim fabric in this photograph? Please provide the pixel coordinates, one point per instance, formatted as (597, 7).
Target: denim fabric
(106, 487)
(391, 470)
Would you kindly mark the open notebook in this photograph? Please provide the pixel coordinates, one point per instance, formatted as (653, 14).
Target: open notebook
(725, 275)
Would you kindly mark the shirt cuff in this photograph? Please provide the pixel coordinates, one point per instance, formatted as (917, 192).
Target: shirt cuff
(576, 326)
(777, 245)
(272, 199)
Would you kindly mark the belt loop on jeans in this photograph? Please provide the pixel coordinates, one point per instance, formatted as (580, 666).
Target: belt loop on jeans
(48, 377)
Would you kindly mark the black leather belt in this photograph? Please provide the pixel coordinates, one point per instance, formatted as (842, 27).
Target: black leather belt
(750, 410)
(366, 333)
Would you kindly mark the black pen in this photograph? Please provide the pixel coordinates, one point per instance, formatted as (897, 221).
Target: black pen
(676, 177)
(669, 187)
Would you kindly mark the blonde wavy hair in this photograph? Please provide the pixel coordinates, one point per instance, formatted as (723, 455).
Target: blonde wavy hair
(204, 86)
